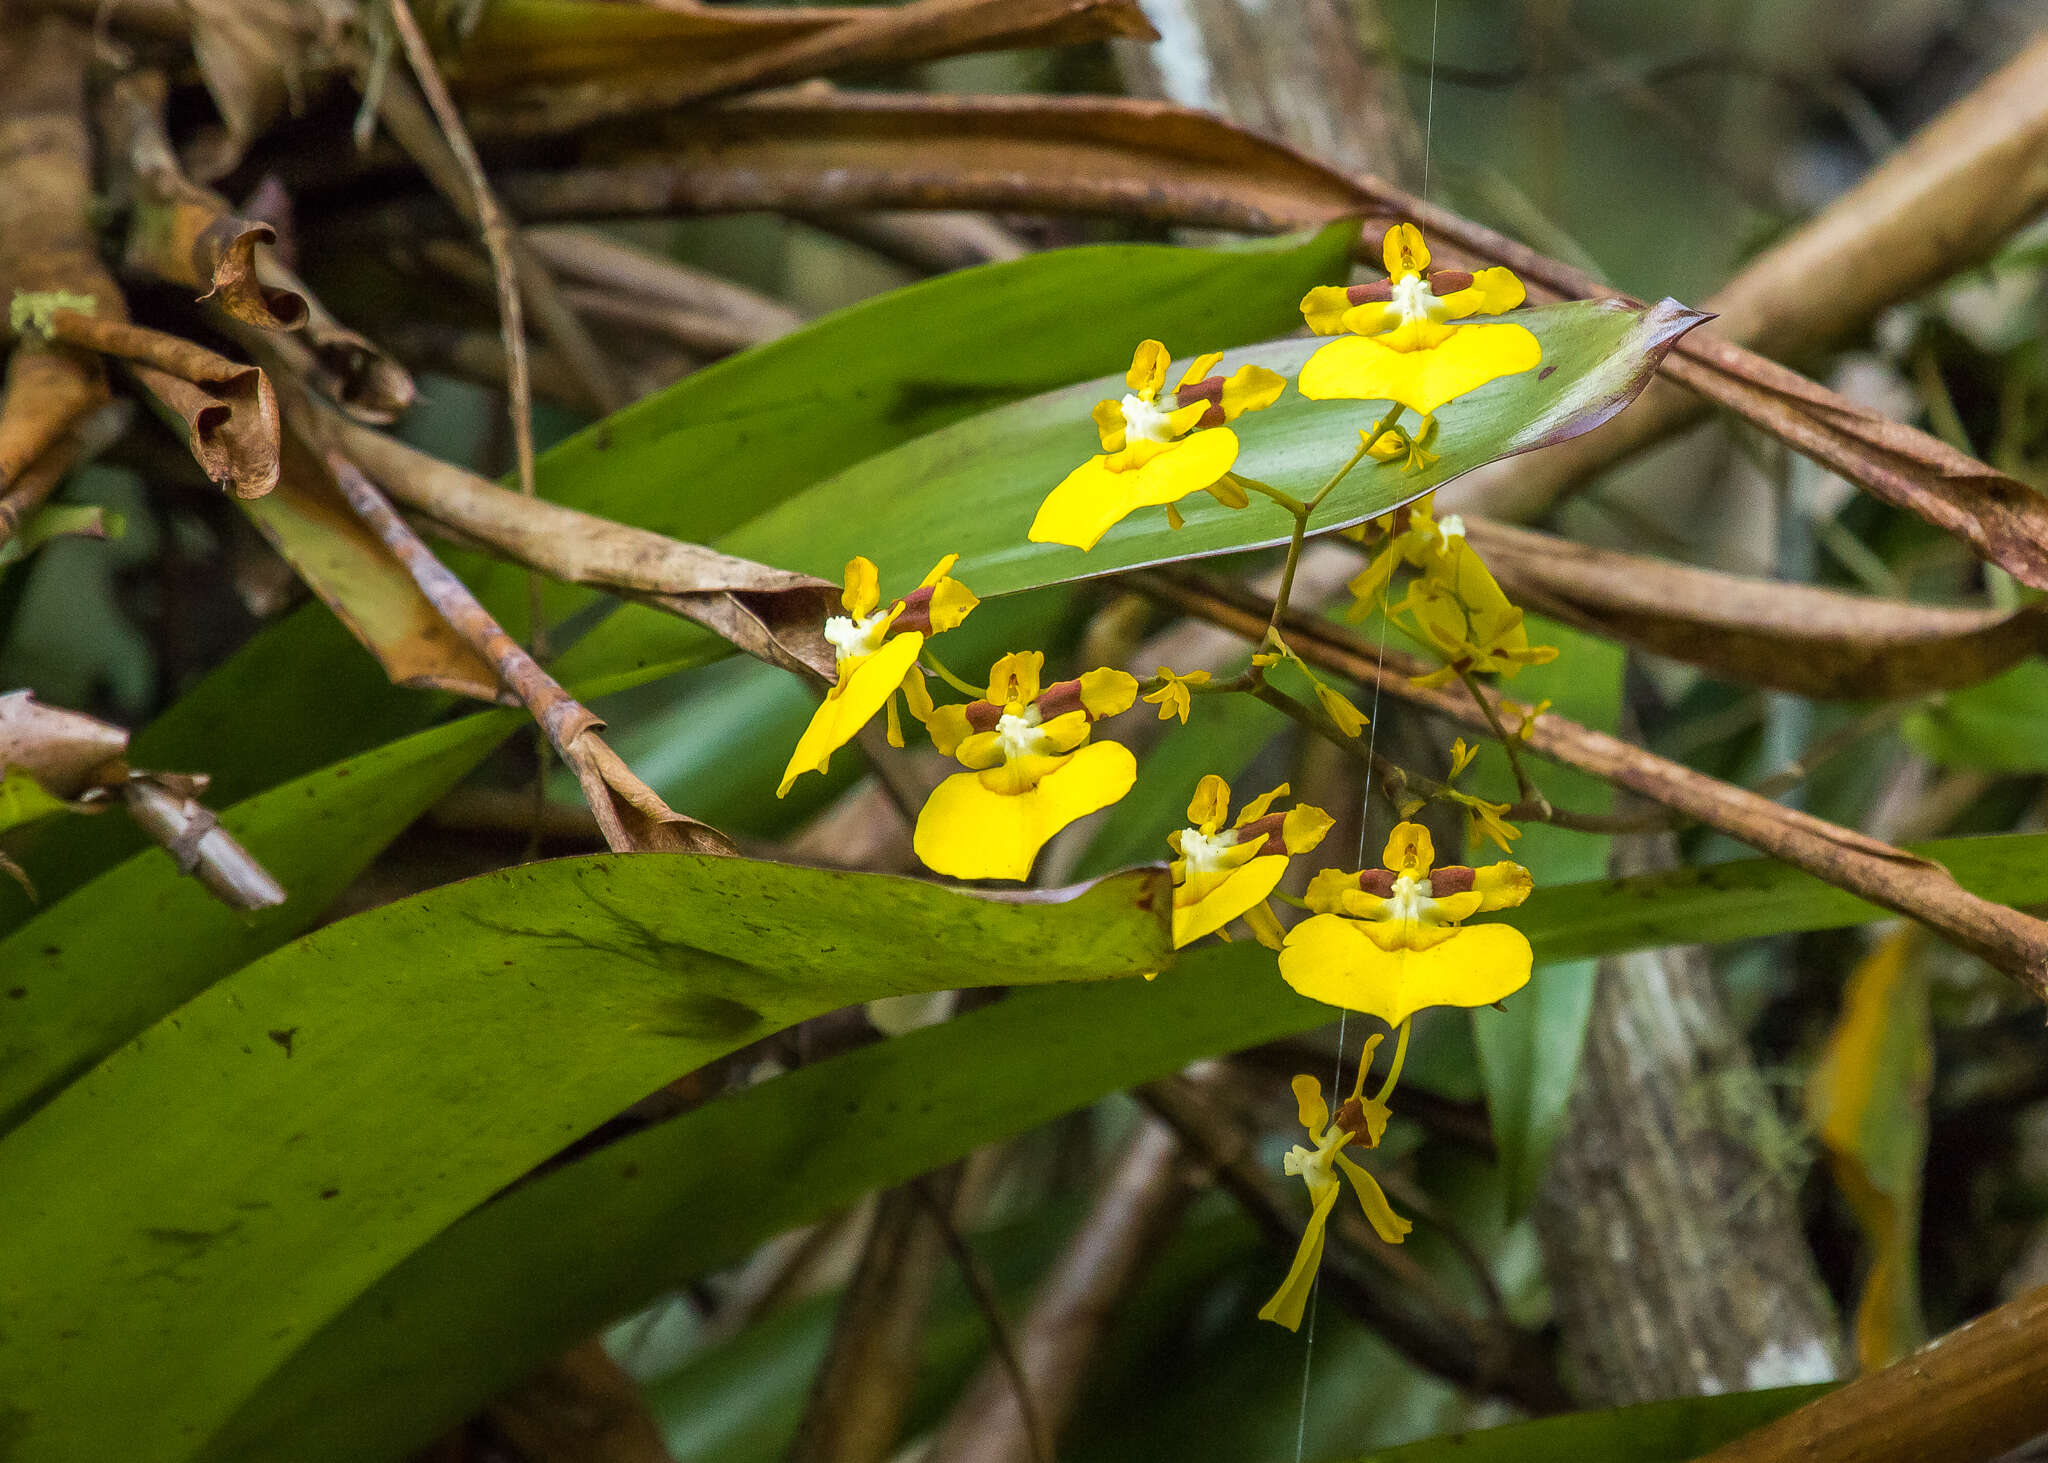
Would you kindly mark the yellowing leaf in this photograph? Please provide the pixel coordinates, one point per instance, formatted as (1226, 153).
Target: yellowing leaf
(1867, 1099)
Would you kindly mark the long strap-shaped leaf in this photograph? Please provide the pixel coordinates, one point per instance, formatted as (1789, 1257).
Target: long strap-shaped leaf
(515, 1283)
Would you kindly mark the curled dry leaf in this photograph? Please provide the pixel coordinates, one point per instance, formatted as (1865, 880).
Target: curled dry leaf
(836, 151)
(229, 408)
(257, 58)
(1867, 867)
(769, 613)
(1811, 642)
(66, 752)
(620, 61)
(50, 390)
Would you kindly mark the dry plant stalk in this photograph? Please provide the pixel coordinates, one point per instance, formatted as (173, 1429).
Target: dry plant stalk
(1867, 867)
(631, 815)
(584, 1408)
(33, 485)
(46, 240)
(1819, 643)
(769, 613)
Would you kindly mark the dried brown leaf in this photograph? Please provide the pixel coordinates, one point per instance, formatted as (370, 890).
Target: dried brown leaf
(50, 390)
(827, 151)
(66, 752)
(257, 58)
(1811, 642)
(626, 64)
(630, 814)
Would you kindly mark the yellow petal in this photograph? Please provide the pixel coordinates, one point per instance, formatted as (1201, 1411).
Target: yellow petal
(1323, 308)
(1389, 445)
(1388, 1225)
(1184, 419)
(916, 695)
(1502, 885)
(1264, 927)
(950, 604)
(1374, 317)
(1019, 775)
(1148, 369)
(1451, 908)
(939, 571)
(1256, 808)
(1243, 890)
(1304, 827)
(1491, 292)
(1371, 582)
(1210, 804)
(949, 727)
(1228, 493)
(1067, 731)
(1200, 367)
(1410, 850)
(1251, 388)
(1016, 677)
(1309, 1108)
(1110, 425)
(968, 832)
(1108, 692)
(1327, 890)
(1093, 498)
(1355, 367)
(1330, 959)
(1288, 1301)
(1350, 720)
(863, 588)
(848, 706)
(1173, 700)
(1403, 251)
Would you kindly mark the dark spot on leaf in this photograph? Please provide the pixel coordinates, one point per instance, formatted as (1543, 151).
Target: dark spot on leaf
(630, 1171)
(53, 951)
(704, 1017)
(329, 1193)
(601, 439)
(18, 993)
(284, 1038)
(1544, 374)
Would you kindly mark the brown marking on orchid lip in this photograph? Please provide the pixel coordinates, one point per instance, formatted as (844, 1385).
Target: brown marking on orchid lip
(1377, 881)
(916, 614)
(1448, 282)
(1451, 879)
(1059, 698)
(1260, 828)
(983, 715)
(1351, 1117)
(1209, 390)
(1379, 292)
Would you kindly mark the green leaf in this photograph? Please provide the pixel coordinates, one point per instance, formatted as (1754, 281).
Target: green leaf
(727, 443)
(96, 968)
(1651, 1432)
(24, 800)
(974, 488)
(325, 1111)
(520, 1280)
(1994, 726)
(1529, 1052)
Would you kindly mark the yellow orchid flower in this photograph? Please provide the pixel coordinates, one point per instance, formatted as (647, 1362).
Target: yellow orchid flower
(1391, 942)
(1399, 341)
(1157, 451)
(1221, 874)
(1361, 1118)
(875, 650)
(1474, 632)
(1173, 697)
(1415, 536)
(1033, 770)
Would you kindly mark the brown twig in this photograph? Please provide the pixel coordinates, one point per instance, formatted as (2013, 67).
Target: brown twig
(1138, 1207)
(33, 486)
(169, 811)
(631, 815)
(1873, 870)
(1375, 1282)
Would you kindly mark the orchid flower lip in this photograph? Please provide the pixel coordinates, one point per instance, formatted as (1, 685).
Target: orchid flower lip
(851, 638)
(1019, 735)
(1415, 300)
(1205, 852)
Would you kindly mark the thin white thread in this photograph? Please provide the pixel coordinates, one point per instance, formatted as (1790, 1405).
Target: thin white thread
(1315, 1295)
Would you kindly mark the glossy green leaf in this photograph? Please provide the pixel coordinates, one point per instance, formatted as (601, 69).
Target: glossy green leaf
(523, 1278)
(325, 1111)
(1529, 1053)
(1651, 1432)
(99, 966)
(1992, 727)
(975, 487)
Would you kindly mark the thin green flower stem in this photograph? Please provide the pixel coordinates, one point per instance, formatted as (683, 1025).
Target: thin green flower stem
(1400, 1058)
(1524, 784)
(1302, 514)
(1286, 500)
(933, 664)
(1390, 776)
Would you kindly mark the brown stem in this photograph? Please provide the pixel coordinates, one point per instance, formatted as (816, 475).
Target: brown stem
(169, 813)
(1865, 866)
(1378, 1283)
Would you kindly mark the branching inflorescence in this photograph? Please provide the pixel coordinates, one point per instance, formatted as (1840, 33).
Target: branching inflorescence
(1387, 942)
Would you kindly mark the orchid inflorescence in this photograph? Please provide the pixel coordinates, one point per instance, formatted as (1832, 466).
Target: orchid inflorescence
(1387, 942)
